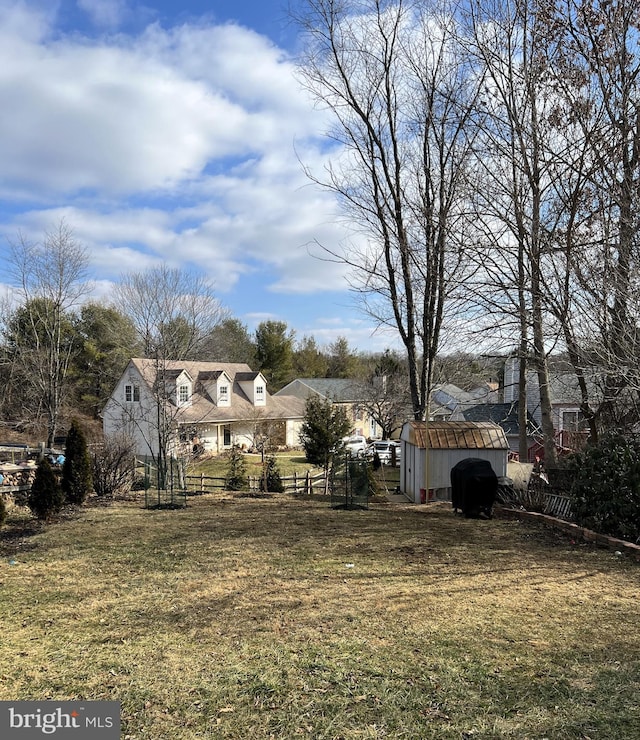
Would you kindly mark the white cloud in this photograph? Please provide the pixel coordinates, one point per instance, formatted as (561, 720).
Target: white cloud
(104, 13)
(176, 145)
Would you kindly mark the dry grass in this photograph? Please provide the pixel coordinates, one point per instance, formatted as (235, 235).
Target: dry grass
(282, 618)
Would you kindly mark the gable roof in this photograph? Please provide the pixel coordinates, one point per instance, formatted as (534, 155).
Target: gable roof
(341, 390)
(243, 377)
(172, 368)
(503, 414)
(450, 396)
(203, 409)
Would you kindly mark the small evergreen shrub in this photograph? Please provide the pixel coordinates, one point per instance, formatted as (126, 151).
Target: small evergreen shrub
(77, 479)
(272, 477)
(46, 498)
(606, 487)
(236, 478)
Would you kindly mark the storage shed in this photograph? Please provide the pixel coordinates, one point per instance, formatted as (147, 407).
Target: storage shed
(443, 444)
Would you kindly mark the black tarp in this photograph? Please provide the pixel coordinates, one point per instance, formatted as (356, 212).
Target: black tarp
(474, 485)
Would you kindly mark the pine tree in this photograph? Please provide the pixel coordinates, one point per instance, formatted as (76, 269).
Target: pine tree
(236, 479)
(272, 479)
(46, 497)
(77, 480)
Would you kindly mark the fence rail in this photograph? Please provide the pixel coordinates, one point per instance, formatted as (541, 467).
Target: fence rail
(305, 483)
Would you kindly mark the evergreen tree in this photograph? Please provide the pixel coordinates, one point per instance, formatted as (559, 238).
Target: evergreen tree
(236, 478)
(274, 353)
(322, 431)
(46, 497)
(272, 481)
(77, 480)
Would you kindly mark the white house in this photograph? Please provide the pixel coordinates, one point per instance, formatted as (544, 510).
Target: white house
(432, 450)
(210, 404)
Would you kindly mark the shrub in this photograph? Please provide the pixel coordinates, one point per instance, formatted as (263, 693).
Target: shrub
(606, 487)
(46, 497)
(236, 478)
(271, 481)
(113, 467)
(77, 480)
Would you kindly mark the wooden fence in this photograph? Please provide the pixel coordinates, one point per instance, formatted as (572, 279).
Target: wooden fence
(304, 483)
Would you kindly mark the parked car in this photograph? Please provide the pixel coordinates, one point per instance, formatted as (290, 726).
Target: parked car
(356, 445)
(385, 448)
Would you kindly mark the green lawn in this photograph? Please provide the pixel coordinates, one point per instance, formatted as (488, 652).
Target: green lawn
(288, 463)
(282, 618)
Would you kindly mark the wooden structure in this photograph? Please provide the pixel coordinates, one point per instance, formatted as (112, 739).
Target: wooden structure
(431, 449)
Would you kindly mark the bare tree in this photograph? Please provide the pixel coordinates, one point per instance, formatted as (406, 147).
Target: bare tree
(383, 393)
(174, 313)
(50, 279)
(401, 95)
(513, 189)
(598, 76)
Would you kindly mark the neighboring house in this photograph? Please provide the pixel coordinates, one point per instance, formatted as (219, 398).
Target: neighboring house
(568, 420)
(209, 404)
(433, 450)
(448, 402)
(505, 415)
(342, 392)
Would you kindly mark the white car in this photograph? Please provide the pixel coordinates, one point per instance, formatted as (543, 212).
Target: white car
(356, 446)
(385, 448)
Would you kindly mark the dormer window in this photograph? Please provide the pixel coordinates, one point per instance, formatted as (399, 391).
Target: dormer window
(259, 391)
(224, 392)
(183, 394)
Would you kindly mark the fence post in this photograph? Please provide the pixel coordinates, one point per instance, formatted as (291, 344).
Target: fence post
(307, 485)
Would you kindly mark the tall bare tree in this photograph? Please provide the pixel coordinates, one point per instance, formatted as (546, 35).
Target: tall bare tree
(174, 313)
(50, 279)
(513, 189)
(400, 94)
(598, 78)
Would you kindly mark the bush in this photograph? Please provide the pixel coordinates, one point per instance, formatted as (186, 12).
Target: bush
(77, 482)
(113, 467)
(272, 477)
(606, 487)
(236, 478)
(46, 497)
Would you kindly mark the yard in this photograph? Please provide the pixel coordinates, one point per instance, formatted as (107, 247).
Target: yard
(277, 617)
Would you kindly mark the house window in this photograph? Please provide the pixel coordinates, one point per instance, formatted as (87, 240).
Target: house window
(260, 391)
(573, 421)
(224, 392)
(183, 394)
(131, 393)
(227, 437)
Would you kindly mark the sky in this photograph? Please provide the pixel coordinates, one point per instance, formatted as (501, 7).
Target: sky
(175, 132)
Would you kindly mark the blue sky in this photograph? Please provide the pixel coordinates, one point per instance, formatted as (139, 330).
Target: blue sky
(172, 132)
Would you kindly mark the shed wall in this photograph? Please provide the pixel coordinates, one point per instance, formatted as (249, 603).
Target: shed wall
(412, 477)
